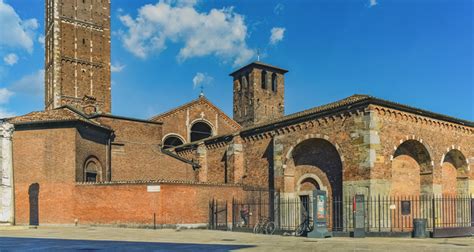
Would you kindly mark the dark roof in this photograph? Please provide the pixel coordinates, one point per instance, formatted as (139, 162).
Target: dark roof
(259, 63)
(354, 101)
(62, 114)
(124, 118)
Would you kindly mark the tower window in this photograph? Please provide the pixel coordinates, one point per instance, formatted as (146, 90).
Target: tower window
(264, 79)
(172, 141)
(274, 82)
(244, 82)
(200, 130)
(83, 41)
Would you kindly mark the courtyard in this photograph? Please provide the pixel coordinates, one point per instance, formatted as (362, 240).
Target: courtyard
(87, 238)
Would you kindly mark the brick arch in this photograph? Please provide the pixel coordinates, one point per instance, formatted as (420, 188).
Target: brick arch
(454, 172)
(323, 183)
(313, 136)
(412, 167)
(89, 163)
(315, 154)
(418, 139)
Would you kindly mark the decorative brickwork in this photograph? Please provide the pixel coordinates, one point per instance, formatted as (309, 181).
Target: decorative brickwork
(77, 54)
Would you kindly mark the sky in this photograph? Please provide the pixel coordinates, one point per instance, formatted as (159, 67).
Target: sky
(415, 52)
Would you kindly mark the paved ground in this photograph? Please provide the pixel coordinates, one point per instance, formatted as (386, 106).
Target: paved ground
(121, 239)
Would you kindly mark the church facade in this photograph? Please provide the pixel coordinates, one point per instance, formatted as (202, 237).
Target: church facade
(76, 162)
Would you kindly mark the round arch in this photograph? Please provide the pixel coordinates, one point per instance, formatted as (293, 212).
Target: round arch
(200, 129)
(92, 170)
(454, 173)
(172, 140)
(411, 169)
(319, 159)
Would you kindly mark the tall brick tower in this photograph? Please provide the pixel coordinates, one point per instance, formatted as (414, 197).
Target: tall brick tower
(259, 91)
(77, 54)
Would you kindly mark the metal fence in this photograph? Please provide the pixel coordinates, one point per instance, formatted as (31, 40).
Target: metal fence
(382, 213)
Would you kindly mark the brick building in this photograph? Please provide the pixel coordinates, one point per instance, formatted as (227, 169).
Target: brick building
(77, 162)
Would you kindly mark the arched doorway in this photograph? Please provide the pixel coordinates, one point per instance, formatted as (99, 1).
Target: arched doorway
(454, 179)
(318, 157)
(412, 169)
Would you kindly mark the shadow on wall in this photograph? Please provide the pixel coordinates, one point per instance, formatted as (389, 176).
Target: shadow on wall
(33, 192)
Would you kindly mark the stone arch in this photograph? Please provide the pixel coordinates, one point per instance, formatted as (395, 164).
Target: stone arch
(316, 158)
(313, 181)
(454, 173)
(412, 168)
(92, 170)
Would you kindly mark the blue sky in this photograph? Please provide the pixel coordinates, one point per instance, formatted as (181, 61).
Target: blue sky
(417, 52)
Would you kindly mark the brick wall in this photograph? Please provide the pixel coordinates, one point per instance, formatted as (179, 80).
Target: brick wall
(136, 153)
(122, 204)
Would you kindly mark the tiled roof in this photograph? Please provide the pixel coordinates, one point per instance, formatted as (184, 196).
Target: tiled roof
(62, 114)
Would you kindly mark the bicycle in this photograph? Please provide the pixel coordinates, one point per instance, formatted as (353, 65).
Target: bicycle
(264, 225)
(305, 227)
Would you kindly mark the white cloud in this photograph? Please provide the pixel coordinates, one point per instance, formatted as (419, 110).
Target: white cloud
(5, 95)
(16, 33)
(5, 113)
(116, 68)
(220, 32)
(10, 59)
(201, 78)
(41, 39)
(278, 9)
(32, 84)
(277, 35)
(372, 3)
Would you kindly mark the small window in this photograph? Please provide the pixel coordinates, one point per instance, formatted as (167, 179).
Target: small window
(274, 82)
(92, 170)
(264, 79)
(172, 141)
(83, 41)
(200, 130)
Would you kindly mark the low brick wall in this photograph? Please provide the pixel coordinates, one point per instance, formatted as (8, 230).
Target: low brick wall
(120, 204)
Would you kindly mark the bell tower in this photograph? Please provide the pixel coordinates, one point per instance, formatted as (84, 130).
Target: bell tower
(259, 91)
(77, 54)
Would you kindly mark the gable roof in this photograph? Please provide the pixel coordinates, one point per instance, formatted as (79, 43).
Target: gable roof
(62, 114)
(201, 99)
(259, 64)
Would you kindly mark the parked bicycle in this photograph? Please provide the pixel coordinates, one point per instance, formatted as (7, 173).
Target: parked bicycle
(305, 227)
(265, 226)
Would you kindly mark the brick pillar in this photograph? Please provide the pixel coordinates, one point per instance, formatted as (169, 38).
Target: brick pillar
(235, 161)
(7, 202)
(202, 160)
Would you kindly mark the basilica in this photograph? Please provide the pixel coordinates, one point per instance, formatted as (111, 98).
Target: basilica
(77, 162)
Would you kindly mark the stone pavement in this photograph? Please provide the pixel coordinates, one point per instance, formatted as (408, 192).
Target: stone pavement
(125, 239)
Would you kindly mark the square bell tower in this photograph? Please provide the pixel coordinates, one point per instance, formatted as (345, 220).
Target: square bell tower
(259, 93)
(77, 54)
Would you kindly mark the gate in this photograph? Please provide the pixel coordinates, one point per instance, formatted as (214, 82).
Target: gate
(218, 215)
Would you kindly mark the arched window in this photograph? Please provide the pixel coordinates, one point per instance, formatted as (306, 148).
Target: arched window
(200, 130)
(172, 141)
(274, 82)
(244, 82)
(264, 79)
(92, 169)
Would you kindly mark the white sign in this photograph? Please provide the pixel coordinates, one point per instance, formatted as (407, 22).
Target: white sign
(153, 188)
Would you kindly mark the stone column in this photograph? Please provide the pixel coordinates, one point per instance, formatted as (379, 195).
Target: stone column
(235, 161)
(201, 153)
(7, 203)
